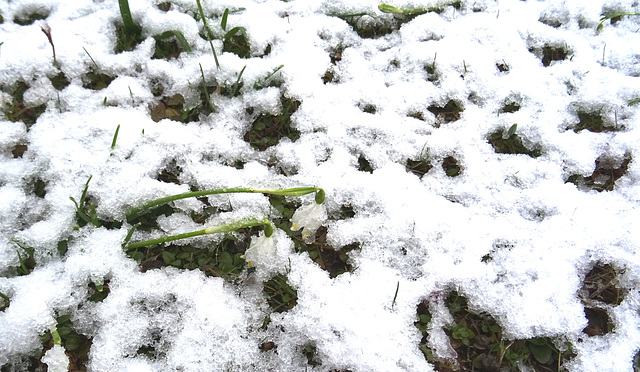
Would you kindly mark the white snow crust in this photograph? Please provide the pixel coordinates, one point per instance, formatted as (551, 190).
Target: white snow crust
(422, 235)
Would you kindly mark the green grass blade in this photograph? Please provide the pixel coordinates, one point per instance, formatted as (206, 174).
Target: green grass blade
(209, 33)
(125, 12)
(205, 91)
(236, 85)
(115, 137)
(94, 62)
(223, 23)
(178, 35)
(234, 31)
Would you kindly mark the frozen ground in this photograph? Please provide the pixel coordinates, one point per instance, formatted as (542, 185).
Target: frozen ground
(506, 231)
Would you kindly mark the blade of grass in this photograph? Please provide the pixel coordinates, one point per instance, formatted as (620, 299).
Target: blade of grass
(205, 91)
(125, 12)
(178, 35)
(115, 138)
(236, 85)
(223, 23)
(94, 62)
(209, 34)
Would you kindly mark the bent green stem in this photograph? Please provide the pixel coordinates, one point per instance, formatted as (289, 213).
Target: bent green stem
(249, 222)
(297, 191)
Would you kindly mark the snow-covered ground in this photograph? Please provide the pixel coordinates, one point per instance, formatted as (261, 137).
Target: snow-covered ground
(507, 231)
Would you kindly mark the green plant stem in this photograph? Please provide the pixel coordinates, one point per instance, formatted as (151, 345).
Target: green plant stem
(297, 191)
(249, 222)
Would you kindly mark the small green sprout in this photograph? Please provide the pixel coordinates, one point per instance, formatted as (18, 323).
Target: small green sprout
(82, 216)
(115, 136)
(28, 262)
(236, 86)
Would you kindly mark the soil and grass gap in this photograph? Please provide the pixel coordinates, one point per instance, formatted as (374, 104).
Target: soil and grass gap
(28, 18)
(479, 343)
(448, 113)
(281, 297)
(17, 110)
(419, 167)
(607, 171)
(600, 290)
(334, 260)
(508, 142)
(268, 129)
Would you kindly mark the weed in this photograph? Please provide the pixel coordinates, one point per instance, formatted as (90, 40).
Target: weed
(85, 212)
(268, 129)
(608, 171)
(17, 110)
(93, 79)
(512, 144)
(448, 113)
(478, 341)
(27, 262)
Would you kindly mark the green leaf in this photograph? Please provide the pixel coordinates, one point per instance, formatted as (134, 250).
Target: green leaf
(223, 23)
(168, 257)
(542, 352)
(225, 258)
(512, 130)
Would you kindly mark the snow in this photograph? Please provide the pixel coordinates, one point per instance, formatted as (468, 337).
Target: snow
(422, 235)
